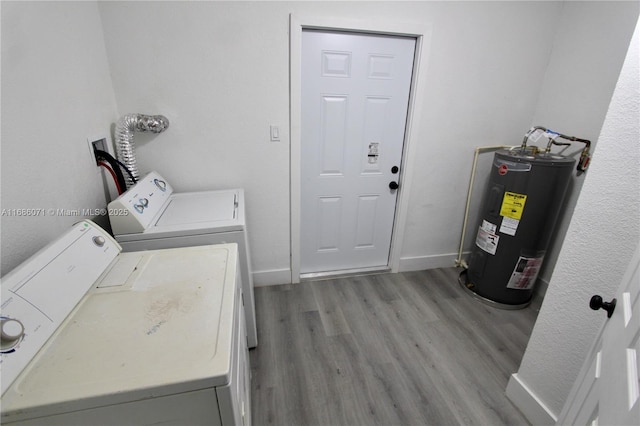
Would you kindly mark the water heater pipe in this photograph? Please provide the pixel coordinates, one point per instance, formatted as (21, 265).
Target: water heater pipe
(125, 127)
(459, 261)
(585, 156)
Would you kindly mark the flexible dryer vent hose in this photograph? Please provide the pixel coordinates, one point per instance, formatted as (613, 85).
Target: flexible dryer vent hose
(125, 127)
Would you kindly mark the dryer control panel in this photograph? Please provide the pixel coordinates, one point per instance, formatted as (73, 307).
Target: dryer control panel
(133, 211)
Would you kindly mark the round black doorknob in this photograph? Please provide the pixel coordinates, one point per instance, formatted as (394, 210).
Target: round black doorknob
(597, 303)
(394, 169)
(393, 185)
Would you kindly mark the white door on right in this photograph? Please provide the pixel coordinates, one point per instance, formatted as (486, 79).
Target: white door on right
(355, 96)
(607, 390)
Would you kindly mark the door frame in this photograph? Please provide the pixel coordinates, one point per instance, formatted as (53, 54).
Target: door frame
(422, 34)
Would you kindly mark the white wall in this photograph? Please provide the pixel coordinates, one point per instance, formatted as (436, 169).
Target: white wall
(483, 80)
(588, 50)
(56, 92)
(600, 241)
(219, 71)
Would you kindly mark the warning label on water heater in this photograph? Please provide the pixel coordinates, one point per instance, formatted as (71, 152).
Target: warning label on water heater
(509, 226)
(525, 273)
(513, 205)
(487, 239)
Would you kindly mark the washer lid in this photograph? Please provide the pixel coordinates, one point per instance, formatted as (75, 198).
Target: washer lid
(159, 322)
(199, 207)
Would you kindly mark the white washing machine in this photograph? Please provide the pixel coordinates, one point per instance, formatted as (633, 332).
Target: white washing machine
(149, 215)
(93, 336)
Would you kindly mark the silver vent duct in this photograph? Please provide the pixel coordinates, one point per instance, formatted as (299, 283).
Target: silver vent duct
(125, 127)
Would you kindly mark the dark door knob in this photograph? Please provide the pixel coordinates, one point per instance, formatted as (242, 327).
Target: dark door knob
(394, 169)
(393, 185)
(597, 303)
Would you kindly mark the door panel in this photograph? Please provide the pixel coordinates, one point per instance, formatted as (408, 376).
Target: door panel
(333, 135)
(619, 399)
(328, 223)
(366, 221)
(607, 392)
(355, 94)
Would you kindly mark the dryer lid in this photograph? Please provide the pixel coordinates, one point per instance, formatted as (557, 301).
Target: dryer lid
(200, 207)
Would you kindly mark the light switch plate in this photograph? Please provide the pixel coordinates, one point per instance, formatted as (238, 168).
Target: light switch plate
(275, 133)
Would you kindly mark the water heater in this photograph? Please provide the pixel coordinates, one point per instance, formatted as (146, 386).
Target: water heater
(522, 201)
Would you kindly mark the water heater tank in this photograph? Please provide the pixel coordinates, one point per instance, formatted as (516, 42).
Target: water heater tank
(521, 204)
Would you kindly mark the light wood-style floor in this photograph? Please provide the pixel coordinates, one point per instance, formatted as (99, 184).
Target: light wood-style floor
(391, 349)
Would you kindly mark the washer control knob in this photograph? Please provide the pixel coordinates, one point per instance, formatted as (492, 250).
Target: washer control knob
(162, 185)
(142, 203)
(12, 330)
(99, 240)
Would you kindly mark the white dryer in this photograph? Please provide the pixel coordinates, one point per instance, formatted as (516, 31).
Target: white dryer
(149, 215)
(91, 335)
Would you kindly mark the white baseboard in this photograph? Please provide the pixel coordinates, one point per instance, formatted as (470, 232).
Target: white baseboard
(418, 263)
(406, 264)
(533, 408)
(271, 277)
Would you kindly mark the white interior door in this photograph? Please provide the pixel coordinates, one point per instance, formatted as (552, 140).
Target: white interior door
(606, 391)
(355, 95)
